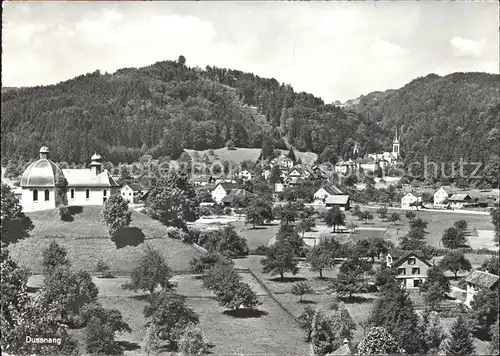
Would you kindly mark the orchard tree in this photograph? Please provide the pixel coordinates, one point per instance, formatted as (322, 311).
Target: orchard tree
(350, 279)
(322, 256)
(491, 265)
(151, 271)
(366, 215)
(101, 267)
(109, 317)
(459, 342)
(329, 331)
(218, 209)
(221, 276)
(226, 241)
(259, 213)
(280, 260)
(306, 321)
(15, 225)
(435, 287)
(208, 260)
(382, 213)
(54, 256)
(455, 261)
(394, 218)
(115, 214)
(410, 215)
(173, 200)
(192, 342)
(453, 238)
(460, 224)
(237, 295)
(378, 341)
(301, 288)
(151, 344)
(334, 218)
(171, 315)
(100, 338)
(289, 234)
(306, 224)
(287, 213)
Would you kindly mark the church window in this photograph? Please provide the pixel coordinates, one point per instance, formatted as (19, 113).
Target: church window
(104, 192)
(35, 195)
(72, 193)
(47, 195)
(87, 193)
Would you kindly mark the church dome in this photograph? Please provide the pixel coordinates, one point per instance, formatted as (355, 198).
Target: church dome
(42, 173)
(96, 157)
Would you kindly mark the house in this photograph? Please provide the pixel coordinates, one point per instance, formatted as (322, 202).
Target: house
(458, 201)
(282, 162)
(132, 192)
(278, 187)
(411, 266)
(441, 196)
(325, 191)
(201, 179)
(245, 175)
(479, 280)
(342, 201)
(345, 167)
(85, 186)
(410, 201)
(345, 350)
(223, 189)
(368, 164)
(237, 197)
(294, 173)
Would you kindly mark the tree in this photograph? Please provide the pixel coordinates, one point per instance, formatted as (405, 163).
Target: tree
(275, 175)
(335, 217)
(115, 214)
(173, 200)
(169, 312)
(221, 276)
(459, 342)
(494, 343)
(208, 260)
(382, 212)
(54, 256)
(100, 338)
(495, 219)
(453, 238)
(435, 287)
(410, 215)
(279, 260)
(374, 246)
(286, 214)
(236, 295)
(291, 155)
(70, 291)
(306, 224)
(301, 288)
(484, 310)
(289, 234)
(15, 225)
(108, 317)
(151, 343)
(350, 278)
(366, 215)
(433, 331)
(491, 265)
(192, 342)
(455, 261)
(102, 267)
(306, 321)
(259, 212)
(225, 241)
(322, 256)
(418, 223)
(460, 224)
(329, 331)
(394, 218)
(379, 342)
(218, 209)
(151, 271)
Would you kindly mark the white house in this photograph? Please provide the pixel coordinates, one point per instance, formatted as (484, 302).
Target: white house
(368, 164)
(345, 167)
(408, 199)
(282, 162)
(221, 190)
(477, 281)
(132, 192)
(278, 187)
(325, 191)
(84, 186)
(441, 196)
(458, 201)
(411, 267)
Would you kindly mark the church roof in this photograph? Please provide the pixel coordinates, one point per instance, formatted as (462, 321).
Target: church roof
(41, 173)
(86, 178)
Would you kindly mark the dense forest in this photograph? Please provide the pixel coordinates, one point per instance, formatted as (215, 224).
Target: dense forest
(166, 107)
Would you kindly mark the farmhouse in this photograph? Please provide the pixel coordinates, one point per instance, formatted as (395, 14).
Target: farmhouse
(479, 280)
(342, 201)
(132, 192)
(221, 190)
(412, 267)
(409, 201)
(84, 186)
(326, 191)
(441, 196)
(458, 201)
(237, 197)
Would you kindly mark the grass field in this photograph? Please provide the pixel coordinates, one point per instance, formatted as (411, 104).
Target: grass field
(241, 154)
(87, 223)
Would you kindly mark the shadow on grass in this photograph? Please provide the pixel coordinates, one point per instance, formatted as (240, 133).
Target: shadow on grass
(106, 276)
(198, 277)
(140, 297)
(70, 212)
(258, 228)
(245, 313)
(73, 210)
(130, 236)
(128, 346)
(305, 301)
(323, 279)
(287, 279)
(33, 289)
(356, 299)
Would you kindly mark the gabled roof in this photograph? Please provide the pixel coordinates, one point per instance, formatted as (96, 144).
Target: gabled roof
(447, 190)
(482, 279)
(201, 178)
(228, 186)
(460, 197)
(237, 194)
(337, 199)
(85, 178)
(406, 255)
(136, 187)
(332, 189)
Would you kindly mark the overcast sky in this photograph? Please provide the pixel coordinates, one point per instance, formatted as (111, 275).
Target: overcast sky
(335, 50)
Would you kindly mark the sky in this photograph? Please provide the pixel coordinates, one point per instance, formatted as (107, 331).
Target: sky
(334, 50)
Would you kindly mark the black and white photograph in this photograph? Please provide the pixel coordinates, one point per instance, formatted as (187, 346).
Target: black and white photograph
(250, 178)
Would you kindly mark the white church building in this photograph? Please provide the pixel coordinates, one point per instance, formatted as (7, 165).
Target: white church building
(86, 186)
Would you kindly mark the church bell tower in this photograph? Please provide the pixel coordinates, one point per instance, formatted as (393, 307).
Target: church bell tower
(395, 146)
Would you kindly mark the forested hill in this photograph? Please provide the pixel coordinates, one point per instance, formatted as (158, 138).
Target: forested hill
(168, 106)
(443, 118)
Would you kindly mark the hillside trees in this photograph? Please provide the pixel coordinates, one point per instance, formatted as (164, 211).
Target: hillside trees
(15, 225)
(453, 238)
(334, 217)
(322, 256)
(54, 256)
(455, 261)
(280, 259)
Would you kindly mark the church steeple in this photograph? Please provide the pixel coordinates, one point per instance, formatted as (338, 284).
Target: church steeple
(395, 145)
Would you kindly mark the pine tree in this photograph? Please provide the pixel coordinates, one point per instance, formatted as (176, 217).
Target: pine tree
(459, 341)
(291, 155)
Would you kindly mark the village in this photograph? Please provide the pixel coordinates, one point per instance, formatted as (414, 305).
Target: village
(335, 243)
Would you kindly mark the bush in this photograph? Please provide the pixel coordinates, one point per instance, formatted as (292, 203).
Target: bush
(259, 250)
(65, 214)
(192, 236)
(174, 233)
(204, 211)
(102, 267)
(228, 211)
(100, 338)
